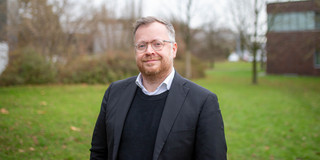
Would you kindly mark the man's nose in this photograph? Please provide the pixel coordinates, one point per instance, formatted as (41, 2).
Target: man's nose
(149, 49)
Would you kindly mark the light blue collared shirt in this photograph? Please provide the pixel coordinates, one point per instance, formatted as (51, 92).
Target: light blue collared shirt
(164, 86)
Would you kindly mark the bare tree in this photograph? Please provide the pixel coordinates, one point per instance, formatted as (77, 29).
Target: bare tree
(212, 43)
(255, 45)
(13, 21)
(40, 26)
(242, 19)
(186, 13)
(3, 19)
(187, 38)
(246, 15)
(112, 31)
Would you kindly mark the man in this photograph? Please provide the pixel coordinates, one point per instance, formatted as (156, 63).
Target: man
(158, 115)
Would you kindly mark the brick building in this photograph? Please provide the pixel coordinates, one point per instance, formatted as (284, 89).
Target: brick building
(293, 45)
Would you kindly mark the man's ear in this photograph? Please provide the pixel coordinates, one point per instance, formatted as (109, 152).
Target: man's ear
(174, 49)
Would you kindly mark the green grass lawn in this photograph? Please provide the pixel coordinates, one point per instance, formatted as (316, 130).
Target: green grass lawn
(276, 119)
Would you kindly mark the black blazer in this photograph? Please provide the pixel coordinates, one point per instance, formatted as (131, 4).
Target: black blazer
(191, 126)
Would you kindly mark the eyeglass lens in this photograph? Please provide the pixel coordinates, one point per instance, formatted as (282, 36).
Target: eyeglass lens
(156, 45)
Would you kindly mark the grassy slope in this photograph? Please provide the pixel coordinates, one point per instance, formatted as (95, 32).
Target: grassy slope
(277, 119)
(48, 122)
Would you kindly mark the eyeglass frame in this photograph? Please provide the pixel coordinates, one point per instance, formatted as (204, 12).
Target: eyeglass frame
(147, 44)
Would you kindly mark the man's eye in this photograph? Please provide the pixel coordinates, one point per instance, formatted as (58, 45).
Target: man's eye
(141, 45)
(157, 44)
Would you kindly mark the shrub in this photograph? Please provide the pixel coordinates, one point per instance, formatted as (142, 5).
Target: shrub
(26, 66)
(98, 69)
(197, 66)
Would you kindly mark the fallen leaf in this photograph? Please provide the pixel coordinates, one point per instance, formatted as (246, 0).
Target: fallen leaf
(4, 111)
(84, 84)
(41, 112)
(35, 140)
(73, 128)
(21, 150)
(266, 148)
(31, 149)
(271, 157)
(43, 103)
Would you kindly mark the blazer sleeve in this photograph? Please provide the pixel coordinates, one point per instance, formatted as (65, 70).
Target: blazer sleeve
(210, 138)
(99, 148)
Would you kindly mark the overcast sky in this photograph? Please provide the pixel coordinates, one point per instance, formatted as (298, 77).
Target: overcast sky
(204, 10)
(216, 11)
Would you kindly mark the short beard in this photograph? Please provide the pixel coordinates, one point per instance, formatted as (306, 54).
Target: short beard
(158, 73)
(148, 72)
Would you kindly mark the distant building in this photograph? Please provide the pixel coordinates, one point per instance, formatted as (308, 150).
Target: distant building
(293, 40)
(233, 57)
(3, 36)
(112, 36)
(4, 49)
(9, 18)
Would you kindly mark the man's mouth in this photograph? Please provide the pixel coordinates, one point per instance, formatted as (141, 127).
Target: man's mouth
(150, 60)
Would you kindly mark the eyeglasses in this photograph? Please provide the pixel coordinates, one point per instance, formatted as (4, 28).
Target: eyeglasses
(157, 45)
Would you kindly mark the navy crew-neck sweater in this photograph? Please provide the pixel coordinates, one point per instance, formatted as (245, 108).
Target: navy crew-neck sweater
(141, 126)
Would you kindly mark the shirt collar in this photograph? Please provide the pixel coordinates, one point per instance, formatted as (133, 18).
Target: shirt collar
(164, 86)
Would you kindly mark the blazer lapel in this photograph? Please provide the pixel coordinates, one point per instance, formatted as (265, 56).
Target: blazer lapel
(123, 106)
(175, 99)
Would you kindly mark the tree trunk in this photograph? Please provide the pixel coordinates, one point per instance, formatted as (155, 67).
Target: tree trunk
(262, 64)
(255, 45)
(212, 64)
(188, 64)
(254, 64)
(187, 41)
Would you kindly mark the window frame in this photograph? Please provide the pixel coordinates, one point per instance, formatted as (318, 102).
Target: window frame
(293, 21)
(316, 59)
(317, 20)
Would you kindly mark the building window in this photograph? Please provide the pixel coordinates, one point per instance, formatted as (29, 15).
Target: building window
(293, 21)
(317, 59)
(317, 19)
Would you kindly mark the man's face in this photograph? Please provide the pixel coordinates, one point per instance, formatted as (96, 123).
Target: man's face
(151, 62)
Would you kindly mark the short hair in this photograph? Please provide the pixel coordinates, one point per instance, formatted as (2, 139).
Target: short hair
(149, 20)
